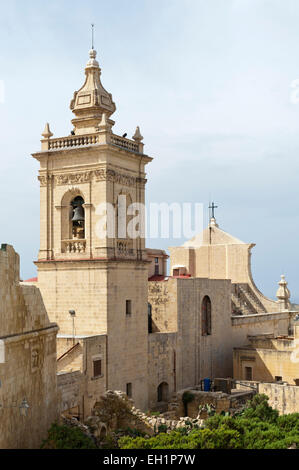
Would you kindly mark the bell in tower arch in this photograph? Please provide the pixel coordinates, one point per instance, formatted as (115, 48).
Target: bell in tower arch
(78, 218)
(78, 214)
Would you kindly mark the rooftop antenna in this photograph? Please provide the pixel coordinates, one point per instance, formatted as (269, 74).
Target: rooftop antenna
(92, 35)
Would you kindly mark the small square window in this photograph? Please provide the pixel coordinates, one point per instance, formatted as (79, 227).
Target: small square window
(129, 390)
(128, 307)
(278, 378)
(97, 368)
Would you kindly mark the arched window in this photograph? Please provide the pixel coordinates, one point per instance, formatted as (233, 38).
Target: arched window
(77, 216)
(163, 392)
(150, 320)
(206, 316)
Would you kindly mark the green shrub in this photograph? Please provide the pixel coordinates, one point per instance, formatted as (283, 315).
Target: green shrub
(162, 428)
(257, 427)
(110, 442)
(67, 437)
(259, 407)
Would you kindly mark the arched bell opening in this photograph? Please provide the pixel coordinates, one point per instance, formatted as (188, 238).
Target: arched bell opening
(124, 241)
(77, 218)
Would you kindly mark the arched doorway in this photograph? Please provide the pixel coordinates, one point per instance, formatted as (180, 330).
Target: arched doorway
(163, 391)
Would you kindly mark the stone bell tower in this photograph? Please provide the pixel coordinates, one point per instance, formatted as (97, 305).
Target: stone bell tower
(100, 276)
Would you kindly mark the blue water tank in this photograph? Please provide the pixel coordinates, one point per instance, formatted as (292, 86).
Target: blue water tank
(207, 385)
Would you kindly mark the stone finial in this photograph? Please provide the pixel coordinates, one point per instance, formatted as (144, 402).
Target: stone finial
(92, 60)
(283, 294)
(47, 133)
(137, 136)
(106, 123)
(213, 222)
(104, 120)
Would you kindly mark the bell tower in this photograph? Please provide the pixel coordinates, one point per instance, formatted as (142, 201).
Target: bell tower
(102, 276)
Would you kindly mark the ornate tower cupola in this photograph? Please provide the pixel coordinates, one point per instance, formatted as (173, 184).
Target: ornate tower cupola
(92, 100)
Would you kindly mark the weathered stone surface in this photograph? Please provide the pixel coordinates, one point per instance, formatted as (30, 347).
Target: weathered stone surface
(28, 369)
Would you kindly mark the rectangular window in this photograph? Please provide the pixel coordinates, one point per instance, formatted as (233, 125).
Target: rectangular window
(157, 260)
(248, 373)
(278, 378)
(97, 368)
(128, 307)
(129, 390)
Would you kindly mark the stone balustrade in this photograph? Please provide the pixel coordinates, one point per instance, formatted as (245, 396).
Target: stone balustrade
(124, 143)
(91, 139)
(73, 141)
(124, 247)
(74, 246)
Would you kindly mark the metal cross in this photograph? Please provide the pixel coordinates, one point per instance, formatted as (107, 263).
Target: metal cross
(213, 207)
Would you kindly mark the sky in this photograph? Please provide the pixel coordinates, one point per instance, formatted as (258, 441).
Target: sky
(209, 84)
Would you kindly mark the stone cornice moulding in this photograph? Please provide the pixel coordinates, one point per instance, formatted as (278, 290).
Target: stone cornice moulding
(103, 174)
(92, 148)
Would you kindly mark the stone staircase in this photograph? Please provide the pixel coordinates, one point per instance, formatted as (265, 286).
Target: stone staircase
(245, 301)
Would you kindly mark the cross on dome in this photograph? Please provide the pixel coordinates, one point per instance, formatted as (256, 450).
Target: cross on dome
(212, 208)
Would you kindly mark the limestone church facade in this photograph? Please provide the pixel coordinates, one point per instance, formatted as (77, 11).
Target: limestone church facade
(123, 323)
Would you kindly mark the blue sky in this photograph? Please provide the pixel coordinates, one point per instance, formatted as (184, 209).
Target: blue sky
(209, 83)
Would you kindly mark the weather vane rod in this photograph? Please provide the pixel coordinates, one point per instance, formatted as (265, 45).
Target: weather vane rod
(92, 36)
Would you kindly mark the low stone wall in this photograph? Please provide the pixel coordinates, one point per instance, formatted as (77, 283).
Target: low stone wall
(116, 411)
(284, 398)
(197, 407)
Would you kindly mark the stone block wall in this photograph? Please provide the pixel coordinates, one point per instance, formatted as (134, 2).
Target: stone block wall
(79, 387)
(28, 367)
(162, 351)
(70, 389)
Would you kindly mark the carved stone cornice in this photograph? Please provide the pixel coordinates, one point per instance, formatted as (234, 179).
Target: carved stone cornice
(44, 179)
(106, 174)
(103, 174)
(73, 178)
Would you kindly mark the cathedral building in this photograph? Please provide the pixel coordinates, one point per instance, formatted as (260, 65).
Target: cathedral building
(124, 324)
